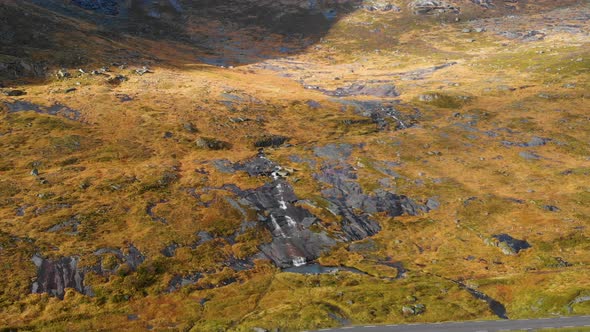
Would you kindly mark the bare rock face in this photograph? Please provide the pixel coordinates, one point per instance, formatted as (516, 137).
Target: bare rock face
(298, 235)
(54, 276)
(484, 3)
(430, 7)
(293, 242)
(347, 198)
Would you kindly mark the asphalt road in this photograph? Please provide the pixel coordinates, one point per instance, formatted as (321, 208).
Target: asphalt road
(475, 326)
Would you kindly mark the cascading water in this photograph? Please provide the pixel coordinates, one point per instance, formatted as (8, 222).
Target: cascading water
(290, 221)
(276, 225)
(299, 261)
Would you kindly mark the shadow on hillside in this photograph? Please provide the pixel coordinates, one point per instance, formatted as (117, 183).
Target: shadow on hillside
(41, 35)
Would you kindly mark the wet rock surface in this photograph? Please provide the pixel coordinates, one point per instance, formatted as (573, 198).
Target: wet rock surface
(275, 203)
(384, 114)
(298, 236)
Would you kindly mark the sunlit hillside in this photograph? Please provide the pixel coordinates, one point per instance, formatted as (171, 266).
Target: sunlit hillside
(292, 165)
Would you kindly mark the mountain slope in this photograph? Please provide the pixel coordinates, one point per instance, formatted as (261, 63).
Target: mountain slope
(424, 160)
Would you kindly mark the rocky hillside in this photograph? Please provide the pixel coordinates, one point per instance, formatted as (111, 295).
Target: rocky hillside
(291, 165)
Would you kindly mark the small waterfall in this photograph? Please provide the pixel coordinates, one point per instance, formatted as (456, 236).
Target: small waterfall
(290, 221)
(299, 261)
(400, 122)
(282, 204)
(276, 225)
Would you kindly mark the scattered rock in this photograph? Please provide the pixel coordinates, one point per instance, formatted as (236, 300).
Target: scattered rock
(364, 246)
(347, 199)
(381, 6)
(142, 71)
(14, 68)
(123, 97)
(551, 208)
(578, 299)
(270, 141)
(178, 282)
(70, 224)
(170, 250)
(412, 310)
(381, 113)
(484, 3)
(508, 244)
(116, 80)
(63, 74)
(430, 7)
(313, 104)
(259, 329)
(432, 203)
(204, 237)
(209, 143)
(150, 211)
(535, 141)
(109, 7)
(13, 93)
(529, 155)
(364, 89)
(130, 256)
(189, 127)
